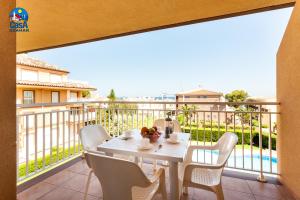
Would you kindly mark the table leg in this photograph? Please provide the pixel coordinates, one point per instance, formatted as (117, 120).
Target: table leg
(174, 180)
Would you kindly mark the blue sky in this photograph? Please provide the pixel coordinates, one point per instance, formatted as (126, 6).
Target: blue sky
(222, 55)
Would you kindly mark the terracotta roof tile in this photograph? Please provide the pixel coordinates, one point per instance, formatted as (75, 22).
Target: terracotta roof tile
(24, 59)
(200, 92)
(59, 85)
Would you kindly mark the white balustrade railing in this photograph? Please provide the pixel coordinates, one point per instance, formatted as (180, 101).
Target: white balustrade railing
(48, 137)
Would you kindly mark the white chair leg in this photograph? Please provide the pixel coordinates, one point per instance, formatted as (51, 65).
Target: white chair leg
(87, 184)
(219, 192)
(154, 165)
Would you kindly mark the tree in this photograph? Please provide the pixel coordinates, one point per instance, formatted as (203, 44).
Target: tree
(86, 94)
(237, 96)
(112, 95)
(240, 96)
(188, 112)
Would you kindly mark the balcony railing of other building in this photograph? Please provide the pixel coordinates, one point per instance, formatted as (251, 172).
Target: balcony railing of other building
(48, 138)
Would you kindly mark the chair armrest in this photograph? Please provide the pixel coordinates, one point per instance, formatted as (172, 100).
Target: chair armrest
(192, 166)
(197, 147)
(193, 147)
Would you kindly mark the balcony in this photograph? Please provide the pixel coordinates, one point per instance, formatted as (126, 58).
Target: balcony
(48, 142)
(69, 184)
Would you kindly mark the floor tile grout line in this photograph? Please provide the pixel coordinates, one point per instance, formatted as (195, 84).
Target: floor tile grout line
(260, 195)
(62, 182)
(78, 191)
(237, 191)
(55, 187)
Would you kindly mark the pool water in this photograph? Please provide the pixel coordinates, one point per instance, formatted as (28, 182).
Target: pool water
(238, 160)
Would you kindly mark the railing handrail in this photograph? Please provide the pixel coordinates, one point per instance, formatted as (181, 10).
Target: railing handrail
(142, 102)
(154, 109)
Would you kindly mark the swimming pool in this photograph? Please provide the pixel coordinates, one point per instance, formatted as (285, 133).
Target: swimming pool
(238, 160)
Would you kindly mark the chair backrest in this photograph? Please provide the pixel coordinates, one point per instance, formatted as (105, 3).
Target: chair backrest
(225, 146)
(93, 135)
(161, 123)
(117, 176)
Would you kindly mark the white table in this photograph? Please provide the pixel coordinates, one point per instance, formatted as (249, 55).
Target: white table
(174, 153)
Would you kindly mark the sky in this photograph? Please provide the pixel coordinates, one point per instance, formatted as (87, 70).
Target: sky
(222, 55)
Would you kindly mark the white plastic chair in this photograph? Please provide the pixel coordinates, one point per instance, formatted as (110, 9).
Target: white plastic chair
(122, 179)
(91, 136)
(208, 176)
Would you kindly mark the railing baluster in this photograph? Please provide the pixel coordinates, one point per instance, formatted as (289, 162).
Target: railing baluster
(27, 144)
(63, 154)
(35, 142)
(18, 145)
(234, 150)
(251, 141)
(51, 131)
(137, 119)
(78, 129)
(270, 142)
(243, 150)
(74, 145)
(100, 116)
(57, 136)
(261, 177)
(118, 121)
(142, 118)
(226, 121)
(197, 134)
(218, 122)
(109, 128)
(69, 133)
(211, 133)
(122, 120)
(204, 136)
(44, 139)
(147, 118)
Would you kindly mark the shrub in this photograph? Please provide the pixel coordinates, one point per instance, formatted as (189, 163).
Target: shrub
(48, 160)
(213, 134)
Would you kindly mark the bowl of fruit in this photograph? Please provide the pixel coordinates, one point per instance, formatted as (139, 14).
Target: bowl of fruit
(152, 133)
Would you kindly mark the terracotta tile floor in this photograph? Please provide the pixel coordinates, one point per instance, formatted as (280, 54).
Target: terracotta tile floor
(69, 185)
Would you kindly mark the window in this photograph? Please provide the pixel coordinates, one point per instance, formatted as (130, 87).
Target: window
(29, 75)
(28, 97)
(55, 97)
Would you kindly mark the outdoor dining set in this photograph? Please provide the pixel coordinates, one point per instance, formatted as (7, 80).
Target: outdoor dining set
(117, 162)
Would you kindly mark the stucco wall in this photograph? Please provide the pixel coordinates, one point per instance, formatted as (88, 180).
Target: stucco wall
(288, 94)
(41, 95)
(7, 104)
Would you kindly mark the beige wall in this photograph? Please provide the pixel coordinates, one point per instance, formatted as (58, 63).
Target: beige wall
(114, 17)
(288, 94)
(42, 95)
(7, 104)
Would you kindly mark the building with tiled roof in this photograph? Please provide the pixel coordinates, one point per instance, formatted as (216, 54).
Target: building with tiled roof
(25, 60)
(40, 82)
(206, 98)
(199, 92)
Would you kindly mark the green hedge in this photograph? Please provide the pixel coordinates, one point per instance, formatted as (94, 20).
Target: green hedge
(214, 134)
(48, 160)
